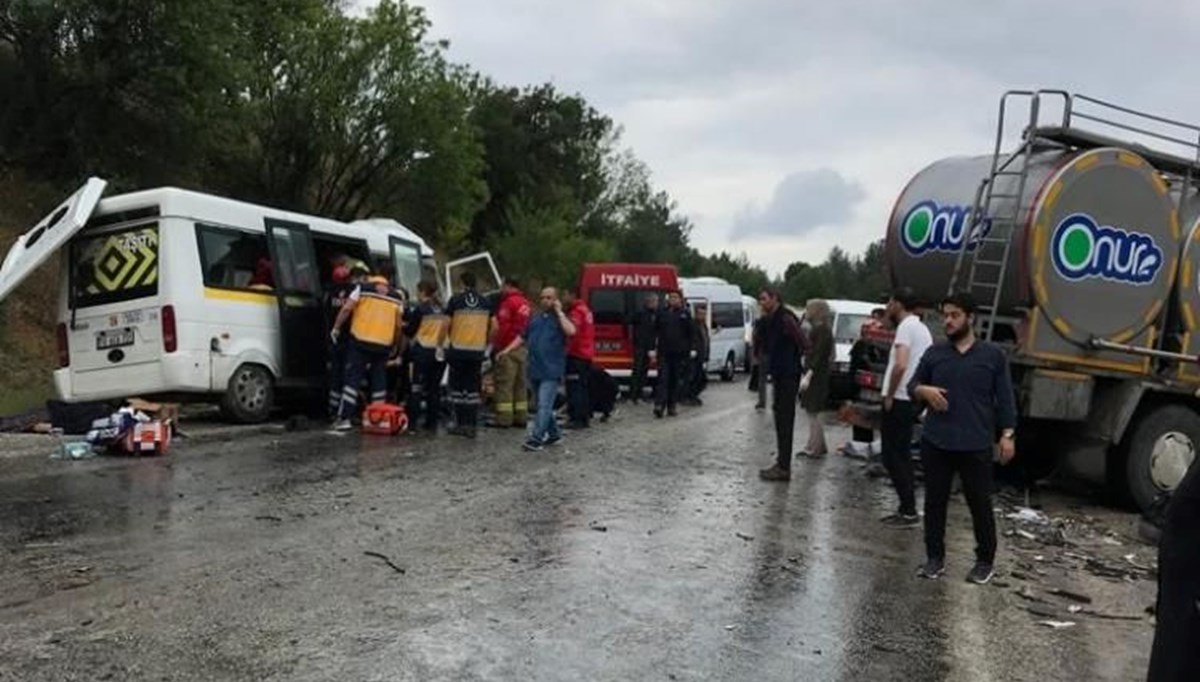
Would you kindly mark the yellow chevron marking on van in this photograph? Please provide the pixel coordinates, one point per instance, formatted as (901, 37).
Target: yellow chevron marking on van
(238, 296)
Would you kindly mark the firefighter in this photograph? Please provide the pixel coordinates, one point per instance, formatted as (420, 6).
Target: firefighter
(427, 326)
(344, 280)
(376, 316)
(581, 350)
(511, 396)
(470, 319)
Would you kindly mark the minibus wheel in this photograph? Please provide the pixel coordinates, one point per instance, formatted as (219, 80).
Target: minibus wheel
(730, 368)
(250, 395)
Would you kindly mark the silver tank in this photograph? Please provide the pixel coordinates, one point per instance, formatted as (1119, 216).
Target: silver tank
(1094, 246)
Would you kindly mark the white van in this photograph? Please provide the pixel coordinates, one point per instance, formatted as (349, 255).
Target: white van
(726, 321)
(176, 294)
(750, 314)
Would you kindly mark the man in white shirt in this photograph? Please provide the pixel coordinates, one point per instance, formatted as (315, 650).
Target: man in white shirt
(911, 342)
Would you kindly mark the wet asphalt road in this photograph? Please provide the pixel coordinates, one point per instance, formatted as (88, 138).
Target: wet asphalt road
(642, 550)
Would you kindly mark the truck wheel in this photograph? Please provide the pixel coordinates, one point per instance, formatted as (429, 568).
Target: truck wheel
(730, 368)
(1161, 449)
(250, 395)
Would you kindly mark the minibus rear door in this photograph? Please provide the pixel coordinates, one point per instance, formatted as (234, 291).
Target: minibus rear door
(302, 332)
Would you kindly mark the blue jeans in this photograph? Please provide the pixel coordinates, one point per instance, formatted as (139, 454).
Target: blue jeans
(545, 427)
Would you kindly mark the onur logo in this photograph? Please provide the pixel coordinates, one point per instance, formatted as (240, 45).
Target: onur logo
(1083, 249)
(929, 227)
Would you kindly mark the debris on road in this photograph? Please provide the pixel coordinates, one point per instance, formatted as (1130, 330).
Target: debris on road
(1073, 596)
(1057, 624)
(747, 538)
(387, 561)
(267, 517)
(597, 527)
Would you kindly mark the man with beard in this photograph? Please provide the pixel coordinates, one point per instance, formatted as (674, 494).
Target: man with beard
(968, 389)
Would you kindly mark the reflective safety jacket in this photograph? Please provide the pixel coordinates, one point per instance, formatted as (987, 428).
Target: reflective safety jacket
(470, 317)
(424, 326)
(376, 316)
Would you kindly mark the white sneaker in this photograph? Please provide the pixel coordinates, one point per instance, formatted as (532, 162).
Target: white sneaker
(342, 425)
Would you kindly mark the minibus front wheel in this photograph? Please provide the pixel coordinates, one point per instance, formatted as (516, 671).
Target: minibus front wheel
(250, 395)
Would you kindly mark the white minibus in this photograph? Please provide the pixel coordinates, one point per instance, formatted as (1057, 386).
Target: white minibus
(726, 321)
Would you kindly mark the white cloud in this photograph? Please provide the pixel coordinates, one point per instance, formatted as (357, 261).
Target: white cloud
(803, 202)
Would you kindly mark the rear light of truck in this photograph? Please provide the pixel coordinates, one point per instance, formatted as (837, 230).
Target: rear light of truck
(169, 335)
(64, 349)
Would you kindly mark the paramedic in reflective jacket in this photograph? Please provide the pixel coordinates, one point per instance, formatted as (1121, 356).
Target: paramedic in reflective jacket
(426, 327)
(344, 280)
(470, 322)
(375, 313)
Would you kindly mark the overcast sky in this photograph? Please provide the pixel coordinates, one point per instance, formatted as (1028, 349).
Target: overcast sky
(785, 127)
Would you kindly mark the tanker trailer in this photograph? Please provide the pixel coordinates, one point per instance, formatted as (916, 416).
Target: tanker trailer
(1072, 244)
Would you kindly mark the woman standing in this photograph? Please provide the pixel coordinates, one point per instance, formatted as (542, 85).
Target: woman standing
(814, 386)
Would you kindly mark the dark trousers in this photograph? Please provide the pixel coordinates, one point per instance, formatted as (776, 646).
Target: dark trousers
(975, 470)
(670, 373)
(697, 378)
(363, 361)
(466, 374)
(784, 408)
(859, 434)
(337, 375)
(425, 399)
(579, 405)
(641, 365)
(897, 430)
(1175, 655)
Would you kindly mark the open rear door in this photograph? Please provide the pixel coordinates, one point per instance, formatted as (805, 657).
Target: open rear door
(487, 277)
(35, 246)
(302, 332)
(406, 259)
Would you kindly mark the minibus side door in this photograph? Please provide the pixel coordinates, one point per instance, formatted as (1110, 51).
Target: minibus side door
(302, 332)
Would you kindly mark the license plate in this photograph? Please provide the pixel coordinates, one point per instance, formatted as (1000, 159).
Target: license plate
(114, 338)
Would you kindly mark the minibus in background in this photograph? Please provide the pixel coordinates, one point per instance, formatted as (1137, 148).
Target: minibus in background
(750, 313)
(173, 294)
(615, 292)
(726, 322)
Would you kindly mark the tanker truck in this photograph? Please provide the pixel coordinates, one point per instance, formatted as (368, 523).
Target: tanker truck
(1079, 237)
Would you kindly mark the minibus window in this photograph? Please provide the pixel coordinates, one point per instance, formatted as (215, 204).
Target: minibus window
(231, 259)
(608, 306)
(727, 315)
(115, 266)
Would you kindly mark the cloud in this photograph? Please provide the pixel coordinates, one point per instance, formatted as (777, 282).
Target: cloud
(802, 202)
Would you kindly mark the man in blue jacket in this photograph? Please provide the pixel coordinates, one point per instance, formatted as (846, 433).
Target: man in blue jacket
(546, 337)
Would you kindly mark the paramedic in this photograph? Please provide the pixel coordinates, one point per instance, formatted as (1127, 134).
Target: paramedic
(376, 319)
(335, 297)
(470, 319)
(426, 327)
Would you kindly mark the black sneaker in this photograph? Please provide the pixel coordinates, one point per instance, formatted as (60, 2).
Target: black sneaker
(981, 574)
(532, 446)
(775, 473)
(672, 412)
(552, 441)
(902, 521)
(658, 413)
(932, 570)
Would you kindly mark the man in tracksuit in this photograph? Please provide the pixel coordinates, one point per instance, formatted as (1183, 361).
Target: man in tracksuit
(470, 319)
(673, 331)
(581, 350)
(335, 297)
(376, 317)
(511, 397)
(643, 344)
(427, 326)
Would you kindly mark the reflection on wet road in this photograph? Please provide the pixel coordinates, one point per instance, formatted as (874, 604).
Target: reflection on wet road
(641, 550)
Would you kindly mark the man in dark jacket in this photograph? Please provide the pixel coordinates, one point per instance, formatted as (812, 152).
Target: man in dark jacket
(783, 344)
(697, 374)
(644, 325)
(1176, 651)
(673, 331)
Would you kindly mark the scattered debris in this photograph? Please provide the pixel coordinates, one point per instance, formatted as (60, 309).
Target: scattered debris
(387, 561)
(747, 538)
(1057, 624)
(1111, 616)
(1025, 534)
(267, 517)
(1043, 611)
(1074, 608)
(1028, 595)
(1027, 515)
(730, 627)
(1073, 596)
(598, 528)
